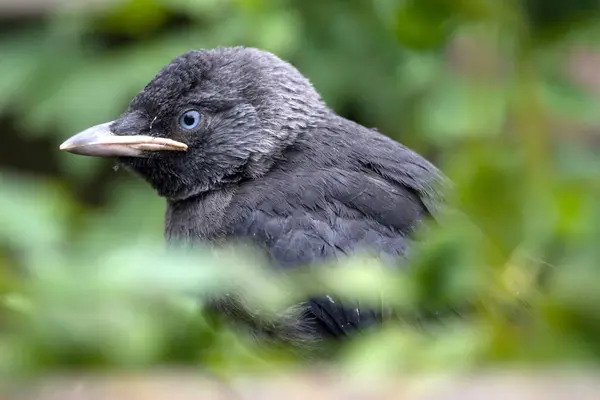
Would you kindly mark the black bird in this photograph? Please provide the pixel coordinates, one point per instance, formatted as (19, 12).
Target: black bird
(242, 147)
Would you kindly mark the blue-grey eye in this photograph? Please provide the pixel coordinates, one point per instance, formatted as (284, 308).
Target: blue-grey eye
(189, 119)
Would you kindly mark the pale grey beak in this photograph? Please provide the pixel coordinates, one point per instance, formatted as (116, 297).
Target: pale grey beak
(99, 141)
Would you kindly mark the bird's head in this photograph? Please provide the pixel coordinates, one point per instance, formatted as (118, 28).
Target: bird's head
(207, 119)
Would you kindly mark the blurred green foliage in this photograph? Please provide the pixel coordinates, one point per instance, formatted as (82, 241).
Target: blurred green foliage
(502, 95)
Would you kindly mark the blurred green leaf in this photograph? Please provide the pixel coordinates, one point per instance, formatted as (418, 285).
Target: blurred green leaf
(424, 24)
(36, 213)
(458, 110)
(135, 17)
(550, 20)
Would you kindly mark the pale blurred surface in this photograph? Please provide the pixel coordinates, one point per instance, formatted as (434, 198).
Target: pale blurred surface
(173, 386)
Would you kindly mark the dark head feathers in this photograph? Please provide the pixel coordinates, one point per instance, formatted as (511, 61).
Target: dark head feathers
(252, 105)
(278, 92)
(236, 112)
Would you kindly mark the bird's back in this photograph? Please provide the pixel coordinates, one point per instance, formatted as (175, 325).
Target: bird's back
(341, 188)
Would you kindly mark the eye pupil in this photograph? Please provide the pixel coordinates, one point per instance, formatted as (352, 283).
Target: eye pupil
(190, 119)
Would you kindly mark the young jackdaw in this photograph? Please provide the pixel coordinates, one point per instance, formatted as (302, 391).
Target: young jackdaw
(242, 147)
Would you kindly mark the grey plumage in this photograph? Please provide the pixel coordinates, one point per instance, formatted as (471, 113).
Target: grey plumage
(270, 162)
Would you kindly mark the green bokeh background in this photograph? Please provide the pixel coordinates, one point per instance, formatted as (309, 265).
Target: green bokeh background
(503, 96)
